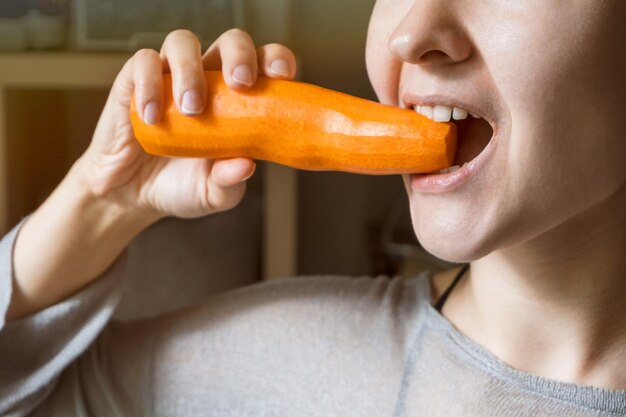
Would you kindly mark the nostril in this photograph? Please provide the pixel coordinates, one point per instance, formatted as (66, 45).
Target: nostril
(405, 48)
(421, 38)
(435, 57)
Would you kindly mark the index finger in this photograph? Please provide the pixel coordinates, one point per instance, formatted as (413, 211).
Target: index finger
(182, 54)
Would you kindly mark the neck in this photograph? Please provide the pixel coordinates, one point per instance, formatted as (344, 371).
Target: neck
(555, 306)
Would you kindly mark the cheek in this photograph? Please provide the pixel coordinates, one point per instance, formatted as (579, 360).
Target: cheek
(564, 151)
(382, 67)
(563, 98)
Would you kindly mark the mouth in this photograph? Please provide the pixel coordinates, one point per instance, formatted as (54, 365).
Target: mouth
(476, 137)
(474, 132)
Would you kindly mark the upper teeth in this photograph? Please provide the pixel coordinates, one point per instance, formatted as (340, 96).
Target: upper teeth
(442, 113)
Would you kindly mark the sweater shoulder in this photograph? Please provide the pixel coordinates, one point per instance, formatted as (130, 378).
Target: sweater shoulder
(381, 308)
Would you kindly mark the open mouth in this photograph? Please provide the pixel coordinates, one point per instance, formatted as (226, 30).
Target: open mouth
(473, 136)
(473, 132)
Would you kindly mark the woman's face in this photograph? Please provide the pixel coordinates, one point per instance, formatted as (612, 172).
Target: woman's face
(549, 78)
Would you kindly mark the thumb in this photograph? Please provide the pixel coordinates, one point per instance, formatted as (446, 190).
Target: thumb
(227, 182)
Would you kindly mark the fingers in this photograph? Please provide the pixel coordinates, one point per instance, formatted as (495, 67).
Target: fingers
(148, 81)
(181, 52)
(181, 55)
(277, 61)
(235, 53)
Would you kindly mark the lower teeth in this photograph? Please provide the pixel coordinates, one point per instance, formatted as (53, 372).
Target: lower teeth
(449, 169)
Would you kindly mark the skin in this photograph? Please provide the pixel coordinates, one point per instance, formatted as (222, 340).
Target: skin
(542, 222)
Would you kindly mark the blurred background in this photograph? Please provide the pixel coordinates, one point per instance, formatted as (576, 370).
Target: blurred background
(58, 59)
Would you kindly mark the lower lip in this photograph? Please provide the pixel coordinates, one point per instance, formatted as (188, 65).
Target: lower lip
(442, 183)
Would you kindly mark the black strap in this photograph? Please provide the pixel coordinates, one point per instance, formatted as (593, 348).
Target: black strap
(441, 301)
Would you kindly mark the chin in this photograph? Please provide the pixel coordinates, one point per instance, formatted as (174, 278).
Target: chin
(452, 238)
(451, 248)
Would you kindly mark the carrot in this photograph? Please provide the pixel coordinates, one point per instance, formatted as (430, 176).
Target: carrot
(302, 126)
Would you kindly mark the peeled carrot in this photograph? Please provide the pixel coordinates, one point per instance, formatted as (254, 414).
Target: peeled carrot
(302, 126)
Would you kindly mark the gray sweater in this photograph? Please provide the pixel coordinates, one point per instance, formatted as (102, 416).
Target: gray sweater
(321, 346)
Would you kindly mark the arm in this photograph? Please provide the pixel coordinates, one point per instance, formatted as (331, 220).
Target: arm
(60, 280)
(71, 239)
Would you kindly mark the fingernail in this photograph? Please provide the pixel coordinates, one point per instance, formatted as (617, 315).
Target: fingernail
(192, 102)
(243, 75)
(280, 67)
(247, 178)
(151, 113)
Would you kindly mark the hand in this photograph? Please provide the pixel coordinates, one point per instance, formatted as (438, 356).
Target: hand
(116, 164)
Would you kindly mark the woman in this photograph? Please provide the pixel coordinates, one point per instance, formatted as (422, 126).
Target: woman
(535, 326)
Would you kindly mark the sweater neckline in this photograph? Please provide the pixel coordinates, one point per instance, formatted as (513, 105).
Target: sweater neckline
(585, 396)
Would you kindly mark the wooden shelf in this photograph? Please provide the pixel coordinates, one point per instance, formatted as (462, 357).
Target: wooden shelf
(85, 71)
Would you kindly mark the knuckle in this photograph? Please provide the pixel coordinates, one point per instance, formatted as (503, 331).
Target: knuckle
(276, 46)
(143, 85)
(241, 51)
(127, 68)
(146, 54)
(181, 35)
(277, 50)
(187, 71)
(239, 33)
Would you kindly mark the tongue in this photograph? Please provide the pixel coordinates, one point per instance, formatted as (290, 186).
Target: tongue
(474, 135)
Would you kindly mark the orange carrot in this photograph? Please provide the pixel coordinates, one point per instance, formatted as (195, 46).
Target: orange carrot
(302, 126)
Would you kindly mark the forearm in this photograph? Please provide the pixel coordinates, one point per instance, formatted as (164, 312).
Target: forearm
(68, 242)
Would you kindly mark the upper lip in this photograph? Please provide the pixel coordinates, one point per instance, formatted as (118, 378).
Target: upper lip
(410, 100)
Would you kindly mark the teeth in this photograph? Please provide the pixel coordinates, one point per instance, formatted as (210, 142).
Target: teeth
(459, 114)
(427, 111)
(449, 169)
(440, 113)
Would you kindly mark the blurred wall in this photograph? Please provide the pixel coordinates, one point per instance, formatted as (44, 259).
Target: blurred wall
(330, 37)
(340, 214)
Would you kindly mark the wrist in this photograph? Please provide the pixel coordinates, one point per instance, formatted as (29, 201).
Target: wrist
(76, 236)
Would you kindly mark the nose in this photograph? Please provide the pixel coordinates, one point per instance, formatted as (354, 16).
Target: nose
(430, 34)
